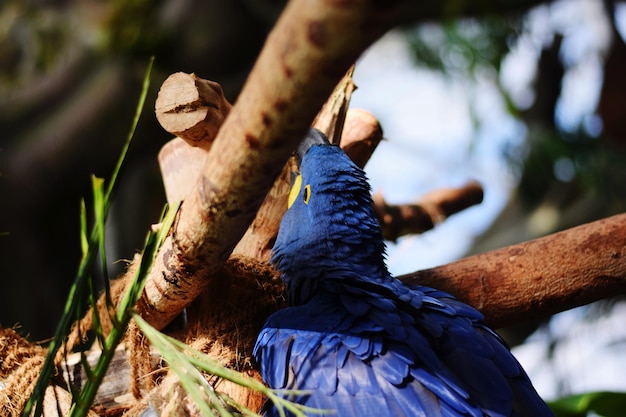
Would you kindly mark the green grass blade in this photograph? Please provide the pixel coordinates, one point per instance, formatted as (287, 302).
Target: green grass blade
(34, 405)
(124, 312)
(84, 240)
(189, 376)
(97, 185)
(131, 134)
(181, 358)
(69, 312)
(81, 406)
(132, 295)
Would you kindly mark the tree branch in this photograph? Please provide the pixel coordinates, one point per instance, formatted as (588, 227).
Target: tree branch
(307, 52)
(192, 108)
(430, 210)
(540, 277)
(361, 135)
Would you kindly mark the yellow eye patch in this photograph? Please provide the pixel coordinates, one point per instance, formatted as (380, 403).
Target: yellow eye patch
(295, 190)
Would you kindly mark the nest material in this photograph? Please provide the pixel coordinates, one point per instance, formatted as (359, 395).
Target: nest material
(223, 323)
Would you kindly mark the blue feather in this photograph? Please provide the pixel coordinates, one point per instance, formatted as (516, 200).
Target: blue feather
(357, 339)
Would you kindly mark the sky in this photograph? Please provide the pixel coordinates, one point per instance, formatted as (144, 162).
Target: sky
(428, 133)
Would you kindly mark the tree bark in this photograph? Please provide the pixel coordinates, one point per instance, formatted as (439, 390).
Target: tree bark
(535, 279)
(310, 48)
(308, 51)
(431, 209)
(361, 135)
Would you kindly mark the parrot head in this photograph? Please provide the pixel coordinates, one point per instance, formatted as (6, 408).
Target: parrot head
(329, 229)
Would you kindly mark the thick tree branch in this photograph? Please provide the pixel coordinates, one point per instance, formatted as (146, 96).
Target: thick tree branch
(541, 277)
(201, 107)
(309, 50)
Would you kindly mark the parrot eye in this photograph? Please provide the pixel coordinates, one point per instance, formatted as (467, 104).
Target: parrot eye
(295, 190)
(307, 194)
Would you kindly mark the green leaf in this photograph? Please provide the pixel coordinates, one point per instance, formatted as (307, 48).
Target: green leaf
(605, 404)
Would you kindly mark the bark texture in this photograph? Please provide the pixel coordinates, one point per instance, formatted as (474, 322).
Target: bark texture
(535, 279)
(305, 55)
(431, 209)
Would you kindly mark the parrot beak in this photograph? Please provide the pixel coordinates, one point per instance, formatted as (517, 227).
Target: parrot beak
(314, 137)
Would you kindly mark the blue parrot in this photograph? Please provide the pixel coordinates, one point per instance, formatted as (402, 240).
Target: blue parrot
(356, 341)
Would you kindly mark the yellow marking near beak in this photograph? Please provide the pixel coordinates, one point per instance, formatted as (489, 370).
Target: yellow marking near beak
(295, 190)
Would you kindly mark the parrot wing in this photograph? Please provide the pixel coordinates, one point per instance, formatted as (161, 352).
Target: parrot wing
(420, 353)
